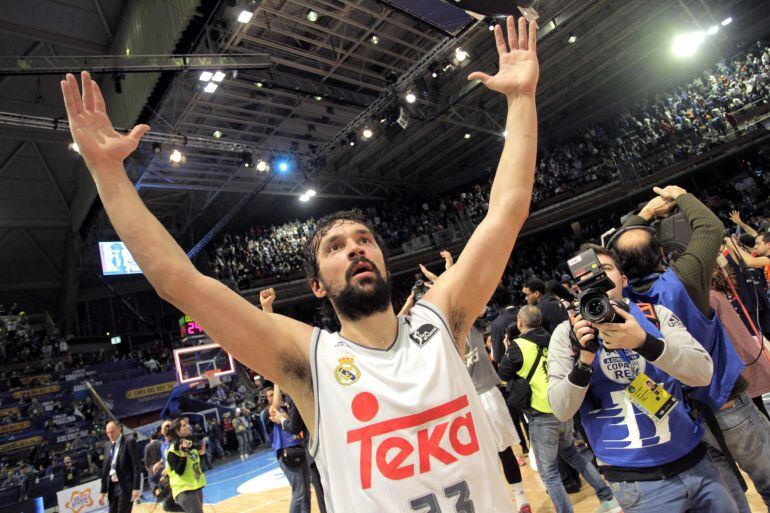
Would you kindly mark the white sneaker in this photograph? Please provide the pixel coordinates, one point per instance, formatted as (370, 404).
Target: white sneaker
(610, 506)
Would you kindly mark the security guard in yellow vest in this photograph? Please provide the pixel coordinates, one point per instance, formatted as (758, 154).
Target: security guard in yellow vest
(185, 474)
(549, 437)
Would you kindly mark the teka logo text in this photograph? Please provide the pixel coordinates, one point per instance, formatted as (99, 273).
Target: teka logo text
(79, 501)
(401, 447)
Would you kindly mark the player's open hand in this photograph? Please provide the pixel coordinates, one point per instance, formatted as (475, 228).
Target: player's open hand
(91, 129)
(518, 68)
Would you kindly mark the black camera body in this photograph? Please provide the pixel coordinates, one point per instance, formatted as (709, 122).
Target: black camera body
(419, 289)
(593, 303)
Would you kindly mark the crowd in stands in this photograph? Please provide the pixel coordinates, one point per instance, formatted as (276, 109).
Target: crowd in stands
(653, 134)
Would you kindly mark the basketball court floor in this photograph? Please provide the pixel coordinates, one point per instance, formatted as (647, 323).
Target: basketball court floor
(257, 485)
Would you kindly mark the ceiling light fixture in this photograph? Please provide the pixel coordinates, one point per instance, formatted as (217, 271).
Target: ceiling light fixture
(245, 16)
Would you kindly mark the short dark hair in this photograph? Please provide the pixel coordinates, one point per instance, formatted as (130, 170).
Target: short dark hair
(535, 285)
(324, 225)
(512, 331)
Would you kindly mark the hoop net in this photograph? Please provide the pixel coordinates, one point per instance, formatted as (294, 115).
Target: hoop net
(212, 378)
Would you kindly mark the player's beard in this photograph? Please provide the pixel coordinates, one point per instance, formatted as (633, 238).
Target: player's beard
(356, 301)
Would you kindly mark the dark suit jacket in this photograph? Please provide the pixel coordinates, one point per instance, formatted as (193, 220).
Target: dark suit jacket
(128, 466)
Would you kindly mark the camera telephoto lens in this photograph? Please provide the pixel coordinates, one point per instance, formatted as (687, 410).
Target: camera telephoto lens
(597, 309)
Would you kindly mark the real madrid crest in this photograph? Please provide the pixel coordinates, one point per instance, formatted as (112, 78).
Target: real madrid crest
(346, 372)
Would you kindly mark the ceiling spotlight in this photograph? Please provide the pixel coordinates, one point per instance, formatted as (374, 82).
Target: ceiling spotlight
(156, 148)
(367, 133)
(304, 198)
(218, 76)
(467, 135)
(205, 76)
(247, 159)
(712, 30)
(461, 54)
(210, 87)
(217, 134)
(383, 120)
(262, 166)
(310, 193)
(434, 74)
(410, 97)
(572, 39)
(686, 45)
(245, 16)
(283, 166)
(176, 156)
(258, 84)
(375, 39)
(727, 21)
(74, 147)
(318, 98)
(312, 16)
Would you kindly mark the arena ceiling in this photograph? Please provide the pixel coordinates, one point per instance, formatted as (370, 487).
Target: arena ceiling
(328, 81)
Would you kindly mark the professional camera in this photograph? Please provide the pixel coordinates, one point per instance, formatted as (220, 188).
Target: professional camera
(419, 289)
(592, 302)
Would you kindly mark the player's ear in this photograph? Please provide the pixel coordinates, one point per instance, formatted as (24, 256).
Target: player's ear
(318, 288)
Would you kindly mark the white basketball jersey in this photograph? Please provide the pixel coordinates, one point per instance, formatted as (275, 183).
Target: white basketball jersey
(402, 429)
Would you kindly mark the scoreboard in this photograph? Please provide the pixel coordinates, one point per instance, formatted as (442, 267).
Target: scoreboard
(189, 329)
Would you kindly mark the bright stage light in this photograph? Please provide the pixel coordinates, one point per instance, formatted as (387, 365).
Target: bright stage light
(175, 157)
(712, 30)
(210, 87)
(262, 166)
(217, 134)
(218, 76)
(205, 76)
(461, 55)
(410, 97)
(375, 39)
(467, 136)
(727, 21)
(367, 133)
(686, 45)
(312, 16)
(310, 193)
(283, 166)
(304, 198)
(245, 16)
(572, 39)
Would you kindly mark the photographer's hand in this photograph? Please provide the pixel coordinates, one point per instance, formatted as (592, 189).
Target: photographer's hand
(584, 332)
(670, 193)
(626, 335)
(656, 207)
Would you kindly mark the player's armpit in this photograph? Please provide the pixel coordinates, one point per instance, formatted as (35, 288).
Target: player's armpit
(273, 345)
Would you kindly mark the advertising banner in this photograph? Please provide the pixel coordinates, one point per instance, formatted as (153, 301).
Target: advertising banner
(138, 395)
(81, 499)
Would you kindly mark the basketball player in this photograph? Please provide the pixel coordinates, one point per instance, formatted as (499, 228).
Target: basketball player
(391, 409)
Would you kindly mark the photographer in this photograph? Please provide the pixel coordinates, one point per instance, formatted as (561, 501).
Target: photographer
(650, 450)
(549, 436)
(184, 470)
(736, 428)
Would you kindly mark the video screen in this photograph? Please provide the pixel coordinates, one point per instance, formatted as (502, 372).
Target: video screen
(116, 259)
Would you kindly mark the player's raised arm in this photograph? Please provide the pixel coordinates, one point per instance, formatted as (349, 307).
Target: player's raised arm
(462, 291)
(275, 346)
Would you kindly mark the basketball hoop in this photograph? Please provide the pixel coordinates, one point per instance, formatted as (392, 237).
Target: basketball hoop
(211, 376)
